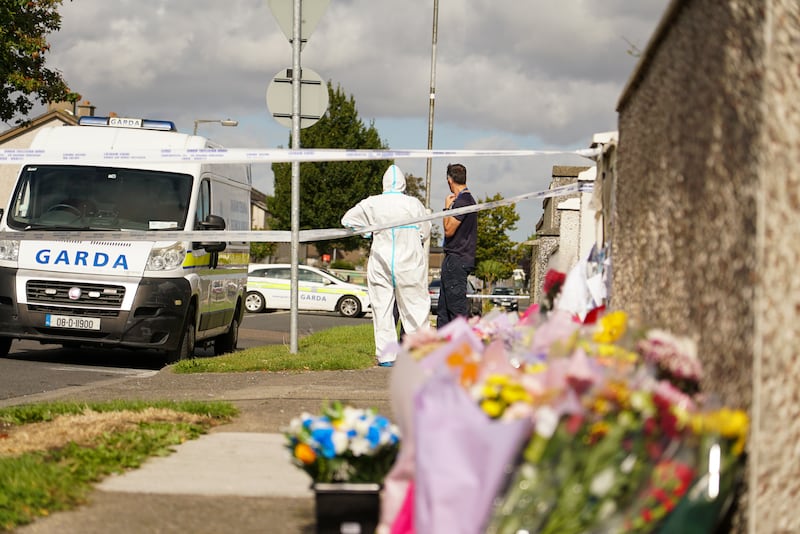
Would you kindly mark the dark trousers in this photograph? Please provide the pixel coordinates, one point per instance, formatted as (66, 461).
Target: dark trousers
(396, 312)
(453, 293)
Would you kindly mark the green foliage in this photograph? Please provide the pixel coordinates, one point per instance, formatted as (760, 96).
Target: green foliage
(259, 251)
(346, 347)
(38, 483)
(415, 187)
(23, 46)
(329, 189)
(490, 271)
(522, 255)
(494, 244)
(47, 411)
(342, 264)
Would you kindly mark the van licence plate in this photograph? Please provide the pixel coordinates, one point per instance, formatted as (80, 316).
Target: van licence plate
(67, 321)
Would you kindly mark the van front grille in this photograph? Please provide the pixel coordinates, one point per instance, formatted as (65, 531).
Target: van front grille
(88, 294)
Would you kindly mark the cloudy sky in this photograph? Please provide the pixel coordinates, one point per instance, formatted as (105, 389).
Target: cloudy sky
(521, 74)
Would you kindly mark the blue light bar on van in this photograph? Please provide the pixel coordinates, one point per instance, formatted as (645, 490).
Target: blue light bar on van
(125, 122)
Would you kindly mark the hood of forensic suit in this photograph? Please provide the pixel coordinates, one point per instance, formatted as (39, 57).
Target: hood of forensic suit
(394, 181)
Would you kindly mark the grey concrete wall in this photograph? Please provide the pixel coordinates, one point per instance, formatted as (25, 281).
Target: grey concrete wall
(705, 219)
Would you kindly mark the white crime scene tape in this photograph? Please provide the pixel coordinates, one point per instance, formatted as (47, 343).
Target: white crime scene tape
(19, 156)
(281, 236)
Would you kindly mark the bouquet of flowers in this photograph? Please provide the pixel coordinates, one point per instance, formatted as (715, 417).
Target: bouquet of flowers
(621, 438)
(343, 444)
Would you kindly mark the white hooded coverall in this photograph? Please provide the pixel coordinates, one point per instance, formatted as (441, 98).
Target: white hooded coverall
(397, 265)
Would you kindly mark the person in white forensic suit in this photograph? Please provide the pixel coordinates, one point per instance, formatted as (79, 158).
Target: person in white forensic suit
(397, 267)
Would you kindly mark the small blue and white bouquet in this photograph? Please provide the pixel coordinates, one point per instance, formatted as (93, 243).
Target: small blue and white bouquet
(343, 444)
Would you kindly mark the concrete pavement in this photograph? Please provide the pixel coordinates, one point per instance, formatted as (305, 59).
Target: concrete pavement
(237, 478)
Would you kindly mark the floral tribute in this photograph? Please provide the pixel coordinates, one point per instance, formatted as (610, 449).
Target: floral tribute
(544, 424)
(343, 444)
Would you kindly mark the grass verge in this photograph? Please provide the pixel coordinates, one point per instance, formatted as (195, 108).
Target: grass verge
(86, 442)
(343, 347)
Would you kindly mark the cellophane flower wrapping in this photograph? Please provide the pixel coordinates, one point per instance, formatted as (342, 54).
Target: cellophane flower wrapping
(343, 444)
(540, 423)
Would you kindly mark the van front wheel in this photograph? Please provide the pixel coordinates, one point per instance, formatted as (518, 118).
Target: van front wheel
(186, 348)
(5, 346)
(227, 342)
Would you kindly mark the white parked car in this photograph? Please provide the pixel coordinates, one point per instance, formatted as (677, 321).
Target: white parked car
(268, 288)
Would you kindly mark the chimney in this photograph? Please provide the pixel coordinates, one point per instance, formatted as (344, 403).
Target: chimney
(85, 109)
(68, 107)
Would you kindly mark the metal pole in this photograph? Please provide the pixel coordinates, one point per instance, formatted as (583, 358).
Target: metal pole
(431, 101)
(295, 214)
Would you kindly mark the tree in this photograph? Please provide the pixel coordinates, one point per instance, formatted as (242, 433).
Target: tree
(262, 250)
(523, 257)
(490, 271)
(493, 241)
(329, 189)
(415, 186)
(23, 45)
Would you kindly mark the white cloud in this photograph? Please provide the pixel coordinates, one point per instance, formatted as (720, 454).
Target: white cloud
(517, 74)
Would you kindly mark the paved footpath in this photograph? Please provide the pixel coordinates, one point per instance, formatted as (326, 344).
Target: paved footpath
(237, 478)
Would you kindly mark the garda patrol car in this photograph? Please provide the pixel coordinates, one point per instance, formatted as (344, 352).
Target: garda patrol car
(167, 295)
(268, 287)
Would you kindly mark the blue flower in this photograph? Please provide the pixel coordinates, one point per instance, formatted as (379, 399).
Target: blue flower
(324, 438)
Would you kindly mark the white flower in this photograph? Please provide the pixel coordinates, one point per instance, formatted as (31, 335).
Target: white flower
(606, 510)
(546, 421)
(602, 482)
(359, 446)
(628, 464)
(340, 442)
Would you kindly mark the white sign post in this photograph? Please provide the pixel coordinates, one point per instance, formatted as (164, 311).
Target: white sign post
(297, 30)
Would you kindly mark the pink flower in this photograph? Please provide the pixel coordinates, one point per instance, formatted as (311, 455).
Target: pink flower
(674, 356)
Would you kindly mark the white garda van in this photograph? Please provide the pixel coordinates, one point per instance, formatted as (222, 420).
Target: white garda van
(164, 295)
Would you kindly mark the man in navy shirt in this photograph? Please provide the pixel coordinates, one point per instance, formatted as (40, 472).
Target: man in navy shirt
(460, 238)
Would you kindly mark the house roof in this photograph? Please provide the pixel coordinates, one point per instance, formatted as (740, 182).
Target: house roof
(63, 116)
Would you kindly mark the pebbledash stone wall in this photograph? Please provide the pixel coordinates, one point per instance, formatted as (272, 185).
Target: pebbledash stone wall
(548, 229)
(705, 220)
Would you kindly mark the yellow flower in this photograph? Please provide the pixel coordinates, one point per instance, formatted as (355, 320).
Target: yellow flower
(734, 423)
(612, 327)
(499, 380)
(492, 408)
(536, 368)
(730, 424)
(618, 392)
(515, 393)
(601, 406)
(305, 454)
(488, 391)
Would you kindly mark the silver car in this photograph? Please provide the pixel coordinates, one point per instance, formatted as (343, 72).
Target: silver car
(504, 298)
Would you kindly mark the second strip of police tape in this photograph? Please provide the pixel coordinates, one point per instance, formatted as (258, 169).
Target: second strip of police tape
(282, 236)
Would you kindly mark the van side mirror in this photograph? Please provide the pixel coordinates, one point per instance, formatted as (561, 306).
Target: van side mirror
(212, 222)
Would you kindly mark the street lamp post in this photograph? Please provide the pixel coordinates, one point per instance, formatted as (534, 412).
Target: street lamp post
(223, 122)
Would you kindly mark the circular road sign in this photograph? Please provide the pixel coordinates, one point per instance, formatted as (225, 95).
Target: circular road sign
(313, 97)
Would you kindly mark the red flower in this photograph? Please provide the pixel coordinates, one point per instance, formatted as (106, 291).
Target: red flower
(553, 281)
(574, 423)
(594, 313)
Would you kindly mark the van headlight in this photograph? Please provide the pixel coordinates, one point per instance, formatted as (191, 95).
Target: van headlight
(9, 249)
(166, 258)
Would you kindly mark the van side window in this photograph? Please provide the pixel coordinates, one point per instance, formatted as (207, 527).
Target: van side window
(203, 202)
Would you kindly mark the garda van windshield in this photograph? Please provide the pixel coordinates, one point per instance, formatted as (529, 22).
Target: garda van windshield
(108, 198)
